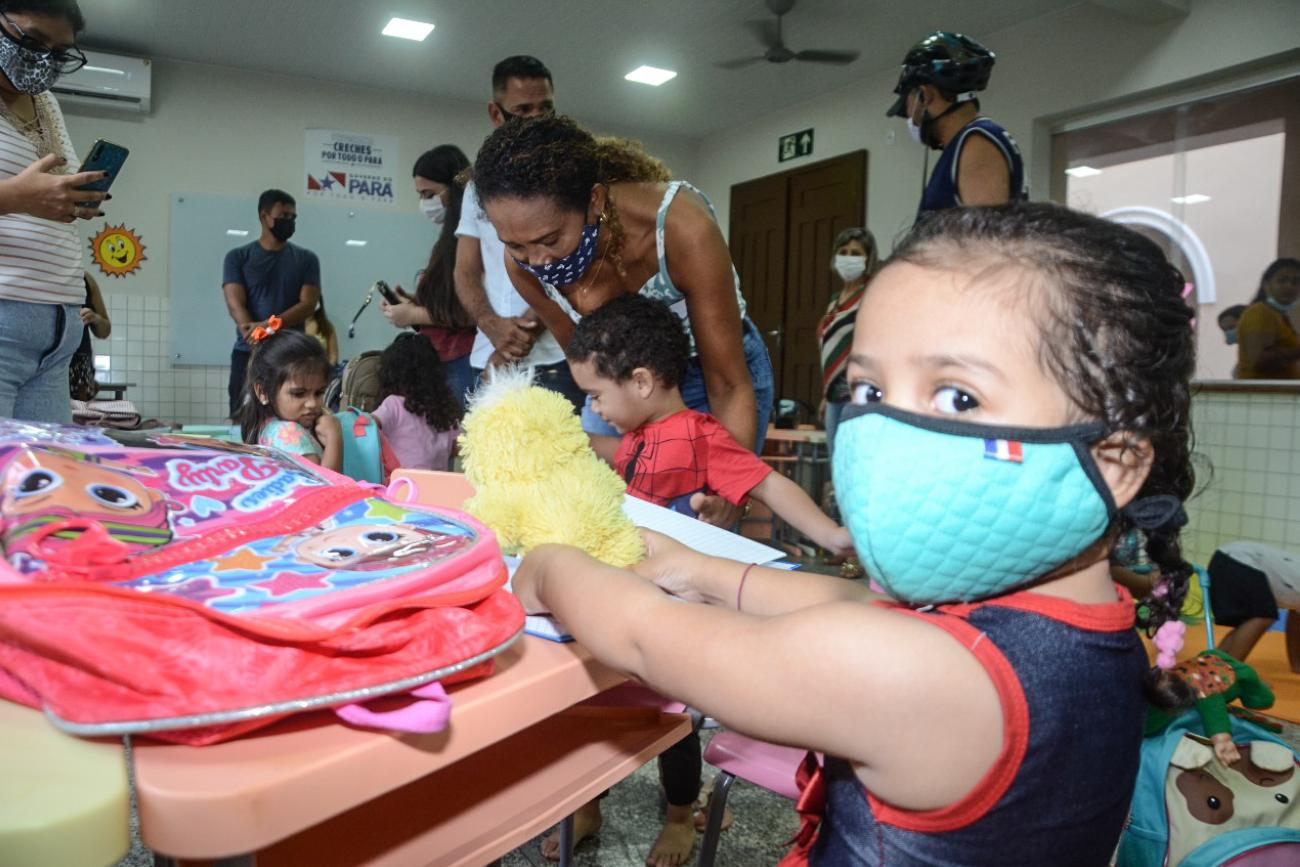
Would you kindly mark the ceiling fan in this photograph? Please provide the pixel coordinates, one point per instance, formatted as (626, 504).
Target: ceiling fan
(769, 34)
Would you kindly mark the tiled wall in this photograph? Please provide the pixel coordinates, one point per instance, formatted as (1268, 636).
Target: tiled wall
(1248, 471)
(139, 351)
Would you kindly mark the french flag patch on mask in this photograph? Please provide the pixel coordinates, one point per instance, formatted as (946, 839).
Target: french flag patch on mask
(1004, 450)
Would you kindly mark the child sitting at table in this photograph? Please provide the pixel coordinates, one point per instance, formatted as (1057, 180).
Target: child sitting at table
(1020, 382)
(629, 356)
(1249, 582)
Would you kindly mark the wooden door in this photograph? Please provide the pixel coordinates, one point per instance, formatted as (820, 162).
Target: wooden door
(782, 228)
(757, 239)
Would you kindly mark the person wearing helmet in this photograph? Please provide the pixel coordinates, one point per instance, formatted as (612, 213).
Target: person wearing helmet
(938, 91)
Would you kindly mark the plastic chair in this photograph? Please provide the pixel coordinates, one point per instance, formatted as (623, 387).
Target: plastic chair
(758, 762)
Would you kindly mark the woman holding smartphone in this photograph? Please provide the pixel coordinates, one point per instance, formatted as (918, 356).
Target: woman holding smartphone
(41, 283)
(435, 310)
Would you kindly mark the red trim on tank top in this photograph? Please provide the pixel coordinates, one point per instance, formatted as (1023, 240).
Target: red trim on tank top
(1117, 616)
(1015, 739)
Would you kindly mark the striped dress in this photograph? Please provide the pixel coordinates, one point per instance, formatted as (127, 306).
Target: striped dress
(836, 334)
(40, 260)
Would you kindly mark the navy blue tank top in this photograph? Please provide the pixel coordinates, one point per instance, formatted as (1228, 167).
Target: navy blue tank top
(941, 191)
(1069, 678)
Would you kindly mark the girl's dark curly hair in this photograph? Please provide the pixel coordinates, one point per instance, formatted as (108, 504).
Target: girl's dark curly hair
(552, 157)
(410, 368)
(1117, 337)
(435, 291)
(277, 358)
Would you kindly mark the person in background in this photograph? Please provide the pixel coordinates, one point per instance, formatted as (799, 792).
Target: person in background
(322, 330)
(419, 414)
(436, 311)
(1268, 346)
(1249, 582)
(284, 402)
(508, 330)
(938, 92)
(94, 317)
(854, 261)
(269, 277)
(41, 274)
(1228, 320)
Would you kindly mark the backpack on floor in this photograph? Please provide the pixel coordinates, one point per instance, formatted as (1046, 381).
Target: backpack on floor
(359, 385)
(195, 590)
(1191, 810)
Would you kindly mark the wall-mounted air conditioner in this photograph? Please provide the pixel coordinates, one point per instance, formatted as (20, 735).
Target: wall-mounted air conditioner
(108, 82)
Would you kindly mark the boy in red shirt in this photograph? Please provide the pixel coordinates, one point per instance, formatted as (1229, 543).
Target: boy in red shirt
(630, 356)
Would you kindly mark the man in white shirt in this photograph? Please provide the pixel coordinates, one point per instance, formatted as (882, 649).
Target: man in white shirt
(1249, 582)
(508, 331)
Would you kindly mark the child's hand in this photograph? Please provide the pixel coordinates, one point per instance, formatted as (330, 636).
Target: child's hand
(1225, 749)
(671, 565)
(840, 543)
(328, 429)
(712, 509)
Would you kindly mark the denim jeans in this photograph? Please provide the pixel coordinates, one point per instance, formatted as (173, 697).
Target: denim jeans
(696, 396)
(553, 377)
(36, 343)
(460, 377)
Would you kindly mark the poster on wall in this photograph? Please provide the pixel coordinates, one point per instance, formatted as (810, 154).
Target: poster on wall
(117, 250)
(350, 166)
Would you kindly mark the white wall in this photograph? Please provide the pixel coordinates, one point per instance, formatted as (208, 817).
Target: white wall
(222, 130)
(1078, 59)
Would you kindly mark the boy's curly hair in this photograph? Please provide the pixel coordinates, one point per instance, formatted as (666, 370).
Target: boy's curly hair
(410, 368)
(629, 332)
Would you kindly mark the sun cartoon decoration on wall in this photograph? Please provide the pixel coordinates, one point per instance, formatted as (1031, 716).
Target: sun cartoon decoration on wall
(117, 250)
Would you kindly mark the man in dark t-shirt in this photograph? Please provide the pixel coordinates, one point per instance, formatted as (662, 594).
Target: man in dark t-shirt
(269, 277)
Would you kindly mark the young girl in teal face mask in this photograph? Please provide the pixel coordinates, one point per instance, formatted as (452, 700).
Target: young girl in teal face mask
(1020, 381)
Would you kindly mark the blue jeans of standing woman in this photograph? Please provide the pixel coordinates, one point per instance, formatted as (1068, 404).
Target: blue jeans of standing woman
(696, 396)
(36, 343)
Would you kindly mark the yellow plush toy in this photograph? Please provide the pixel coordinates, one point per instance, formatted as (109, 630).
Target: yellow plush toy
(536, 478)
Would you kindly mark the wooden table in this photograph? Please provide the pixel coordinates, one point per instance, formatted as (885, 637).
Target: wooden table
(514, 760)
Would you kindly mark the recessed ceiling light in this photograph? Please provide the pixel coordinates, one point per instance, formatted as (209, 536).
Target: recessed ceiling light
(237, 233)
(650, 75)
(1082, 172)
(351, 243)
(405, 28)
(1193, 199)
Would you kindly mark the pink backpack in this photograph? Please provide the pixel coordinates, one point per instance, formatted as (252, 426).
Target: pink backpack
(195, 590)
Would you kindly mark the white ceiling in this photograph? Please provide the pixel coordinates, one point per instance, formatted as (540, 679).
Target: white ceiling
(588, 44)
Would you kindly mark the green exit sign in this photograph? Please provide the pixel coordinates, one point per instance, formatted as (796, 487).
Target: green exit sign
(795, 145)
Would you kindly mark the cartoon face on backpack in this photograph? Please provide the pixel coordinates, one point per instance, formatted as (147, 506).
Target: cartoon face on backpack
(43, 486)
(1205, 798)
(370, 547)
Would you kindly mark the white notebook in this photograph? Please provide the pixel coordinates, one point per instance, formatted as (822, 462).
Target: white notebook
(691, 532)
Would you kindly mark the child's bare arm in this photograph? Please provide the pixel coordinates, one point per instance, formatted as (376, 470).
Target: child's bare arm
(793, 505)
(605, 447)
(331, 439)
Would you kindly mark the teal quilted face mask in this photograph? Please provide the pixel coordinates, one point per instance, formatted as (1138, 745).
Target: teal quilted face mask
(946, 511)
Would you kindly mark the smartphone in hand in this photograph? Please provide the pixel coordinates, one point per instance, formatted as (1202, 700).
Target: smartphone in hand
(387, 291)
(105, 157)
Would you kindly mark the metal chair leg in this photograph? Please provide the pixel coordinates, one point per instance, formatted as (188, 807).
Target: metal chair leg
(566, 841)
(713, 827)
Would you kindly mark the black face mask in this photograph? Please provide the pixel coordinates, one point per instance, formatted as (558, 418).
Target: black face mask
(283, 228)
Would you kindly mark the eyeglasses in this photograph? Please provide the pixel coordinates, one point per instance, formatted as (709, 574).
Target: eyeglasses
(64, 61)
(544, 110)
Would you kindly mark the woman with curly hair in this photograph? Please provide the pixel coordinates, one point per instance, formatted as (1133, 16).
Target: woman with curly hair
(585, 220)
(419, 414)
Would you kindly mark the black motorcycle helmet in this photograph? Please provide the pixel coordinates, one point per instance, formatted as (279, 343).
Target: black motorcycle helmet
(949, 61)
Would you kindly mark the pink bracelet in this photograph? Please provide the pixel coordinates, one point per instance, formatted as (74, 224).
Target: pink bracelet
(741, 588)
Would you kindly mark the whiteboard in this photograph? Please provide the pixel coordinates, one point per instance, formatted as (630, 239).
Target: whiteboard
(397, 244)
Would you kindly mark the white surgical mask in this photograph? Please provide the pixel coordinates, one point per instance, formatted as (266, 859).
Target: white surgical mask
(433, 209)
(850, 268)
